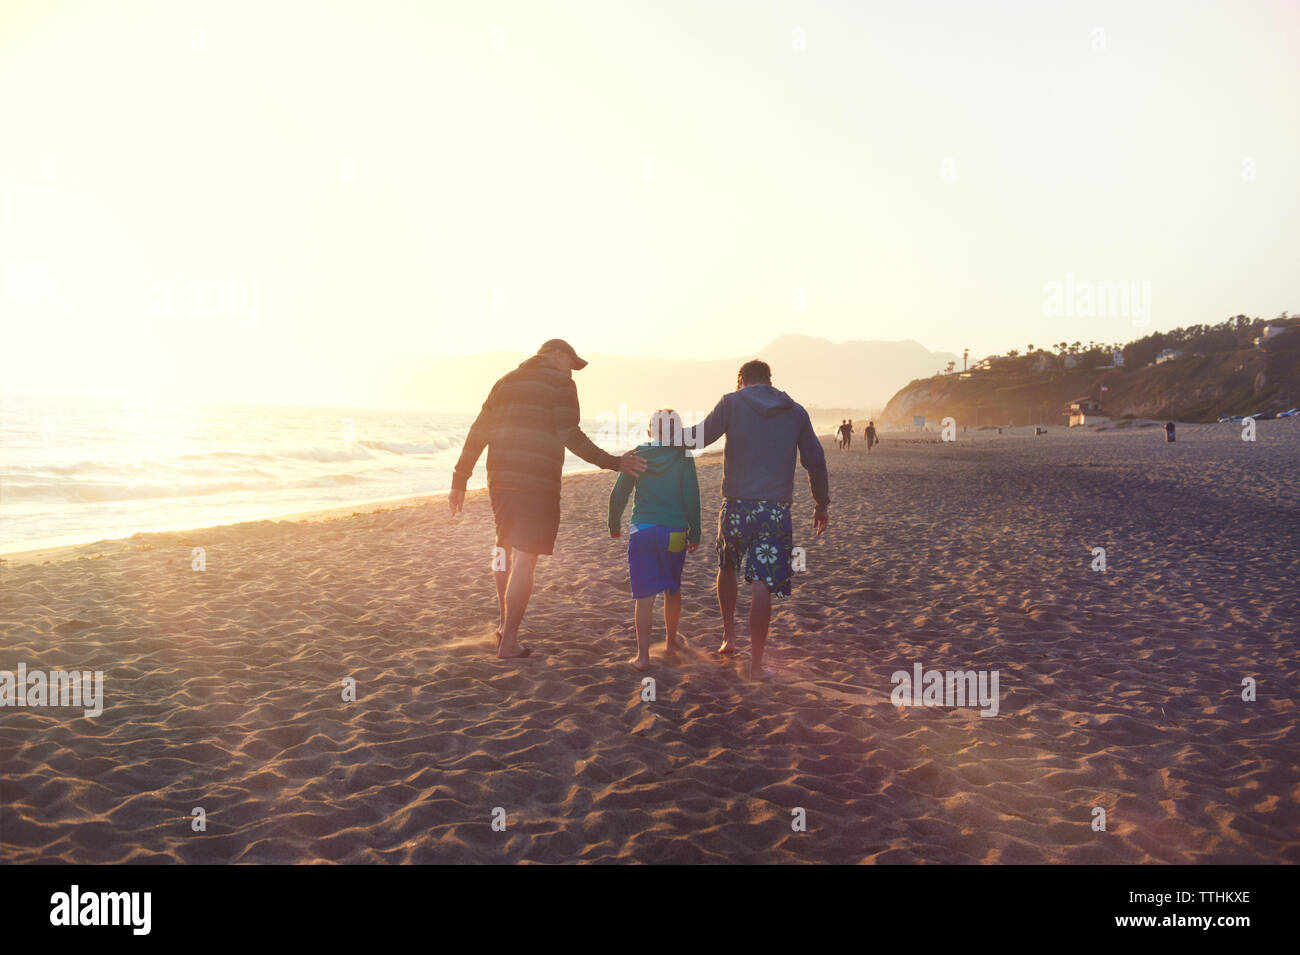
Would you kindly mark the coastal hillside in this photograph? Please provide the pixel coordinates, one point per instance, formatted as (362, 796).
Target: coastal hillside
(1197, 374)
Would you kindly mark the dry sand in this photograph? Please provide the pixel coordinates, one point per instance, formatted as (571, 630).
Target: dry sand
(1119, 689)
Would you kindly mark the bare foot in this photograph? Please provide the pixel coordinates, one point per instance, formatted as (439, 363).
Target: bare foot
(523, 652)
(640, 665)
(758, 674)
(727, 648)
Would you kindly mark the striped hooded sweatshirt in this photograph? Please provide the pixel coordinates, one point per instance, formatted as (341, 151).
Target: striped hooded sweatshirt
(529, 418)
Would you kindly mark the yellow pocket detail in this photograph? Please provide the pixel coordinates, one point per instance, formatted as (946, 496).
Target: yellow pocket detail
(676, 541)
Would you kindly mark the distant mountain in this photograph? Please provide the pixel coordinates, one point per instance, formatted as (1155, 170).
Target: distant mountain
(815, 371)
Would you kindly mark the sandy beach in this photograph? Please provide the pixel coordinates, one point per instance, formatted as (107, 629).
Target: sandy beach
(223, 688)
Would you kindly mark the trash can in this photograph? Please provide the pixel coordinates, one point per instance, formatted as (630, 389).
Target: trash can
(1169, 431)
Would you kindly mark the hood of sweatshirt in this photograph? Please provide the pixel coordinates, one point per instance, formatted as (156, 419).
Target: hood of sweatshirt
(659, 458)
(766, 400)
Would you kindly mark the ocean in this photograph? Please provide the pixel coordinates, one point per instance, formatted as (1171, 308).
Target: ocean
(77, 470)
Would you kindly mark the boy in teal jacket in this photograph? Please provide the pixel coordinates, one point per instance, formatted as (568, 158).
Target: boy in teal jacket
(665, 524)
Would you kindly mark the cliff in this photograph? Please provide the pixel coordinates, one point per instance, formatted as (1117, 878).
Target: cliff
(1195, 387)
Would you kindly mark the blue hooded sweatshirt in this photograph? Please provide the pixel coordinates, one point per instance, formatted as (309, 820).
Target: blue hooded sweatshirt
(764, 429)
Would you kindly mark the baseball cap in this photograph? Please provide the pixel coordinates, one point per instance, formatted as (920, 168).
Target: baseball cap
(559, 344)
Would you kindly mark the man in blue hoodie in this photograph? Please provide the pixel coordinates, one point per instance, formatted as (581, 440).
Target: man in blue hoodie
(765, 428)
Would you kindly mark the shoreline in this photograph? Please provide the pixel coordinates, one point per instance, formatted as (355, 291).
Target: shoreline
(73, 550)
(74, 546)
(53, 553)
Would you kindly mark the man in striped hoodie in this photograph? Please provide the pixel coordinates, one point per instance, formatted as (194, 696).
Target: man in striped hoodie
(529, 418)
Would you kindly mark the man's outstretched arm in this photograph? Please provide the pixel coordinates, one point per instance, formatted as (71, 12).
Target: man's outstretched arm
(567, 418)
(707, 431)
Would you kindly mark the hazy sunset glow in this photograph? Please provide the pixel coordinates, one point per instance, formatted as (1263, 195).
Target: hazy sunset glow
(305, 203)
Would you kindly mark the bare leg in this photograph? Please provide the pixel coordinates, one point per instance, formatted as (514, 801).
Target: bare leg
(501, 577)
(672, 616)
(727, 604)
(518, 590)
(644, 616)
(760, 615)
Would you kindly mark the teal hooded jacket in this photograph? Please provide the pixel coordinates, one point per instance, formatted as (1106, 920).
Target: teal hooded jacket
(668, 493)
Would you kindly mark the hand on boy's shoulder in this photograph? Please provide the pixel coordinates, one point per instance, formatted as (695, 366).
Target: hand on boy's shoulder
(632, 463)
(692, 548)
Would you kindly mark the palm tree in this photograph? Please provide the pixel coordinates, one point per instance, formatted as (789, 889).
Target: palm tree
(964, 353)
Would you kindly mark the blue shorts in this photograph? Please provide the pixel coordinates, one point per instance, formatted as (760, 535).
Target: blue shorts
(757, 537)
(656, 556)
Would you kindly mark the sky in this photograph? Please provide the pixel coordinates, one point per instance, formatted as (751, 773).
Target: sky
(304, 203)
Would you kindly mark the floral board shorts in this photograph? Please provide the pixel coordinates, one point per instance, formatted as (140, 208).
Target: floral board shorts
(757, 537)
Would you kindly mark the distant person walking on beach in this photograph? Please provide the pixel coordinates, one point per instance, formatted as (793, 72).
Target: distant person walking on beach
(765, 429)
(529, 418)
(871, 435)
(848, 434)
(665, 525)
(841, 438)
